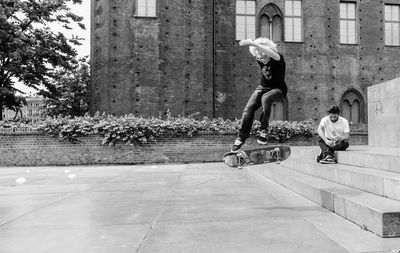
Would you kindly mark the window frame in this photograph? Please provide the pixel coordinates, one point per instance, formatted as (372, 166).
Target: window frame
(146, 9)
(293, 17)
(392, 22)
(246, 25)
(347, 20)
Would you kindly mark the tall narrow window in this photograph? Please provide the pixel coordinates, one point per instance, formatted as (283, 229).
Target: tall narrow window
(293, 20)
(347, 23)
(277, 111)
(265, 26)
(245, 20)
(146, 8)
(346, 110)
(392, 25)
(355, 112)
(277, 28)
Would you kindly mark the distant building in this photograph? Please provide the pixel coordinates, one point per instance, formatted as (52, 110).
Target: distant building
(151, 56)
(33, 111)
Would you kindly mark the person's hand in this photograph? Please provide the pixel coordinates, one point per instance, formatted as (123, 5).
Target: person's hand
(245, 42)
(330, 143)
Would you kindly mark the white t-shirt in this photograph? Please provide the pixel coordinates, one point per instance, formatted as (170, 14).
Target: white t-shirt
(333, 130)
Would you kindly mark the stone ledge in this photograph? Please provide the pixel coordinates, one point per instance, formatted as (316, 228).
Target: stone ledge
(28, 149)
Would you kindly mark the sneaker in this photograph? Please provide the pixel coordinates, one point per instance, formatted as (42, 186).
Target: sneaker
(328, 160)
(318, 158)
(237, 145)
(331, 158)
(262, 137)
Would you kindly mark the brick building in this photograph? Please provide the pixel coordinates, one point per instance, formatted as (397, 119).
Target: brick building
(151, 56)
(32, 111)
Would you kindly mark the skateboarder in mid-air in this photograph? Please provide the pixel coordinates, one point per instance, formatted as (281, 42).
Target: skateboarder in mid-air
(272, 88)
(334, 133)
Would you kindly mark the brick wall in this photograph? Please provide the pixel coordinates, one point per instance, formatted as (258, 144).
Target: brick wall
(147, 66)
(150, 65)
(319, 70)
(34, 149)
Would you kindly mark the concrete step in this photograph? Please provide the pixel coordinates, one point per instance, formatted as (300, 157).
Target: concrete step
(383, 183)
(304, 152)
(387, 159)
(374, 213)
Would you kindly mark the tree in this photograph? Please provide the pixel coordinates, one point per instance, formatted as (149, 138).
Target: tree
(13, 102)
(16, 104)
(30, 52)
(72, 92)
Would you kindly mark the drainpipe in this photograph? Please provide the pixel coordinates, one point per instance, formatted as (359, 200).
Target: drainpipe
(213, 59)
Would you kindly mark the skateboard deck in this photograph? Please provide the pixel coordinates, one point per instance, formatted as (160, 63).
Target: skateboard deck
(267, 154)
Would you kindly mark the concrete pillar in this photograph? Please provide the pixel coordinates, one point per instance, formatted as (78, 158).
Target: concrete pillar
(384, 114)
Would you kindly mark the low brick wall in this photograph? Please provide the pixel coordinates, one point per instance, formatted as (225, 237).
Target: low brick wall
(34, 149)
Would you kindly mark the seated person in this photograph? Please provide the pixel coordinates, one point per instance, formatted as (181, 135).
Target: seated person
(334, 133)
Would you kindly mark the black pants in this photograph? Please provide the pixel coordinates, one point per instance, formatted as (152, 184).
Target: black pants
(264, 97)
(326, 150)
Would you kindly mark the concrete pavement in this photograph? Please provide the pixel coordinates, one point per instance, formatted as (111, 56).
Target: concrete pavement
(166, 208)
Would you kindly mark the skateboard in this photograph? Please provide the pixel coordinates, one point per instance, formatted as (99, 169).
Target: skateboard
(267, 154)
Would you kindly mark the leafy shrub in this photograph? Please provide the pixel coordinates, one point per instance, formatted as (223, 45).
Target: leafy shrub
(16, 124)
(134, 130)
(284, 130)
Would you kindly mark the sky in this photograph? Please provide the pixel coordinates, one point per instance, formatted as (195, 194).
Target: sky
(82, 10)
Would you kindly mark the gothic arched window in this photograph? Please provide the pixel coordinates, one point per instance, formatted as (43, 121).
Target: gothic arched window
(352, 104)
(271, 23)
